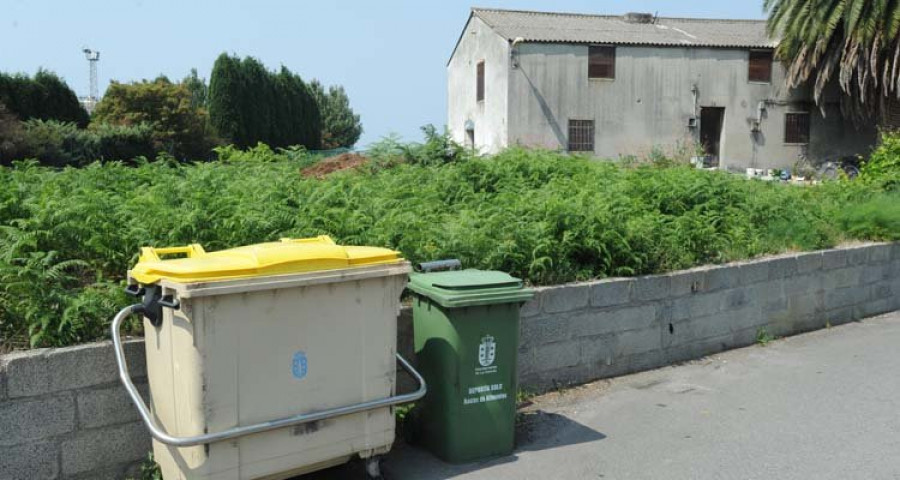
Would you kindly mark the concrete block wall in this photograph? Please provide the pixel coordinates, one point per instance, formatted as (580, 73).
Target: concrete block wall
(64, 415)
(587, 331)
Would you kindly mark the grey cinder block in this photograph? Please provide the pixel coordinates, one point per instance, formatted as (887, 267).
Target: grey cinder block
(874, 273)
(556, 355)
(107, 406)
(654, 287)
(596, 350)
(810, 262)
(533, 307)
(28, 420)
(842, 278)
(535, 331)
(525, 364)
(607, 293)
(753, 272)
(877, 307)
(807, 304)
(882, 290)
(842, 315)
(699, 328)
(29, 461)
(737, 299)
(722, 277)
(880, 254)
(93, 449)
(566, 298)
(687, 282)
(598, 322)
(635, 342)
(117, 472)
(835, 258)
(800, 284)
(844, 297)
(858, 256)
(783, 267)
(706, 304)
(38, 372)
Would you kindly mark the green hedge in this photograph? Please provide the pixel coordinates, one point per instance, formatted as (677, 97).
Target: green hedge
(69, 235)
(61, 144)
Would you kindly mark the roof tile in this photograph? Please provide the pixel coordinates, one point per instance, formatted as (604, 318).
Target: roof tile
(609, 29)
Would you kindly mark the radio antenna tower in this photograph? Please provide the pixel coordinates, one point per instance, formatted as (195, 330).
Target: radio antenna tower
(93, 56)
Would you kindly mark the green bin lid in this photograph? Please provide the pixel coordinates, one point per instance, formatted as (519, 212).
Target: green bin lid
(469, 287)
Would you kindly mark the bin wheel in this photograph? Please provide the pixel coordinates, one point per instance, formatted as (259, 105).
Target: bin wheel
(373, 467)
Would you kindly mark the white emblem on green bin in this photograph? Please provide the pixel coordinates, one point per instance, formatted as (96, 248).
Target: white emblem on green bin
(487, 351)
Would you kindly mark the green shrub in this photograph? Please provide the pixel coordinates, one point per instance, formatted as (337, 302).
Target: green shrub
(60, 144)
(877, 218)
(883, 167)
(44, 96)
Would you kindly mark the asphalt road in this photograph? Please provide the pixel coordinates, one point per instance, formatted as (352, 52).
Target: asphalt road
(825, 405)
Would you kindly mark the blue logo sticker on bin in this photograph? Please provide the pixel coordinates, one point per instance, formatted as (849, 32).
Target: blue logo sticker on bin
(299, 365)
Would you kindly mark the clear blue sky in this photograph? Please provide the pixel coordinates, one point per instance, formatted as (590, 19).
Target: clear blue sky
(390, 55)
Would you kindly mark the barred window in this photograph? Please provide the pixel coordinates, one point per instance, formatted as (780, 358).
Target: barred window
(479, 81)
(796, 128)
(760, 66)
(601, 62)
(581, 135)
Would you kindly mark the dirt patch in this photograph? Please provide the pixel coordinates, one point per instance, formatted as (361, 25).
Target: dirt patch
(344, 161)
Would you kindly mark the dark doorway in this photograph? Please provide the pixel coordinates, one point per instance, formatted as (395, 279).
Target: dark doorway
(711, 121)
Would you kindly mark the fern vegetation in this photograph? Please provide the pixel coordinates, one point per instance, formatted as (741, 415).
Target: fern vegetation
(68, 236)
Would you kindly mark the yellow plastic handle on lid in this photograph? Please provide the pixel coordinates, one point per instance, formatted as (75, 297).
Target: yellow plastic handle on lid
(151, 254)
(323, 239)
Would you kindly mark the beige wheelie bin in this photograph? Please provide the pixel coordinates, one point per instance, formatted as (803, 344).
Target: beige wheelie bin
(270, 360)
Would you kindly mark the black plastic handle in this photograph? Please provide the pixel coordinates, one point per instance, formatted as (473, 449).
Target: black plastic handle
(169, 302)
(153, 301)
(439, 266)
(135, 290)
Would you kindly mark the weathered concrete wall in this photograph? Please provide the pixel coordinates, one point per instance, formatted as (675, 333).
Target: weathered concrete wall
(583, 332)
(649, 103)
(478, 42)
(64, 415)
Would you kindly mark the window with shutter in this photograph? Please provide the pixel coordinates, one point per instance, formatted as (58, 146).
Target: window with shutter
(760, 66)
(601, 62)
(479, 82)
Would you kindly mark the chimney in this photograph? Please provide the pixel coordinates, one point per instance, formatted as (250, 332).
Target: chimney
(635, 17)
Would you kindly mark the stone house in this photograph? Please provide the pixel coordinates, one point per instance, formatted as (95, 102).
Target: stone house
(624, 85)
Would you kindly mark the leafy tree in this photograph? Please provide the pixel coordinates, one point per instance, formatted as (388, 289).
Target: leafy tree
(11, 135)
(198, 88)
(250, 104)
(257, 101)
(225, 108)
(855, 43)
(44, 97)
(340, 125)
(178, 127)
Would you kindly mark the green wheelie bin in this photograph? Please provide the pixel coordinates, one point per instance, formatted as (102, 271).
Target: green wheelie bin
(466, 339)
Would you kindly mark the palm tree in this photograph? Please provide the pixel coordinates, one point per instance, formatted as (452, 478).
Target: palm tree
(854, 42)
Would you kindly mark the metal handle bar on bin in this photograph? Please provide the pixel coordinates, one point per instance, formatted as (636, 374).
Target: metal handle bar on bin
(151, 254)
(160, 434)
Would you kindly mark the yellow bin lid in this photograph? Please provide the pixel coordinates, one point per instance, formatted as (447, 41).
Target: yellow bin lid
(263, 259)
